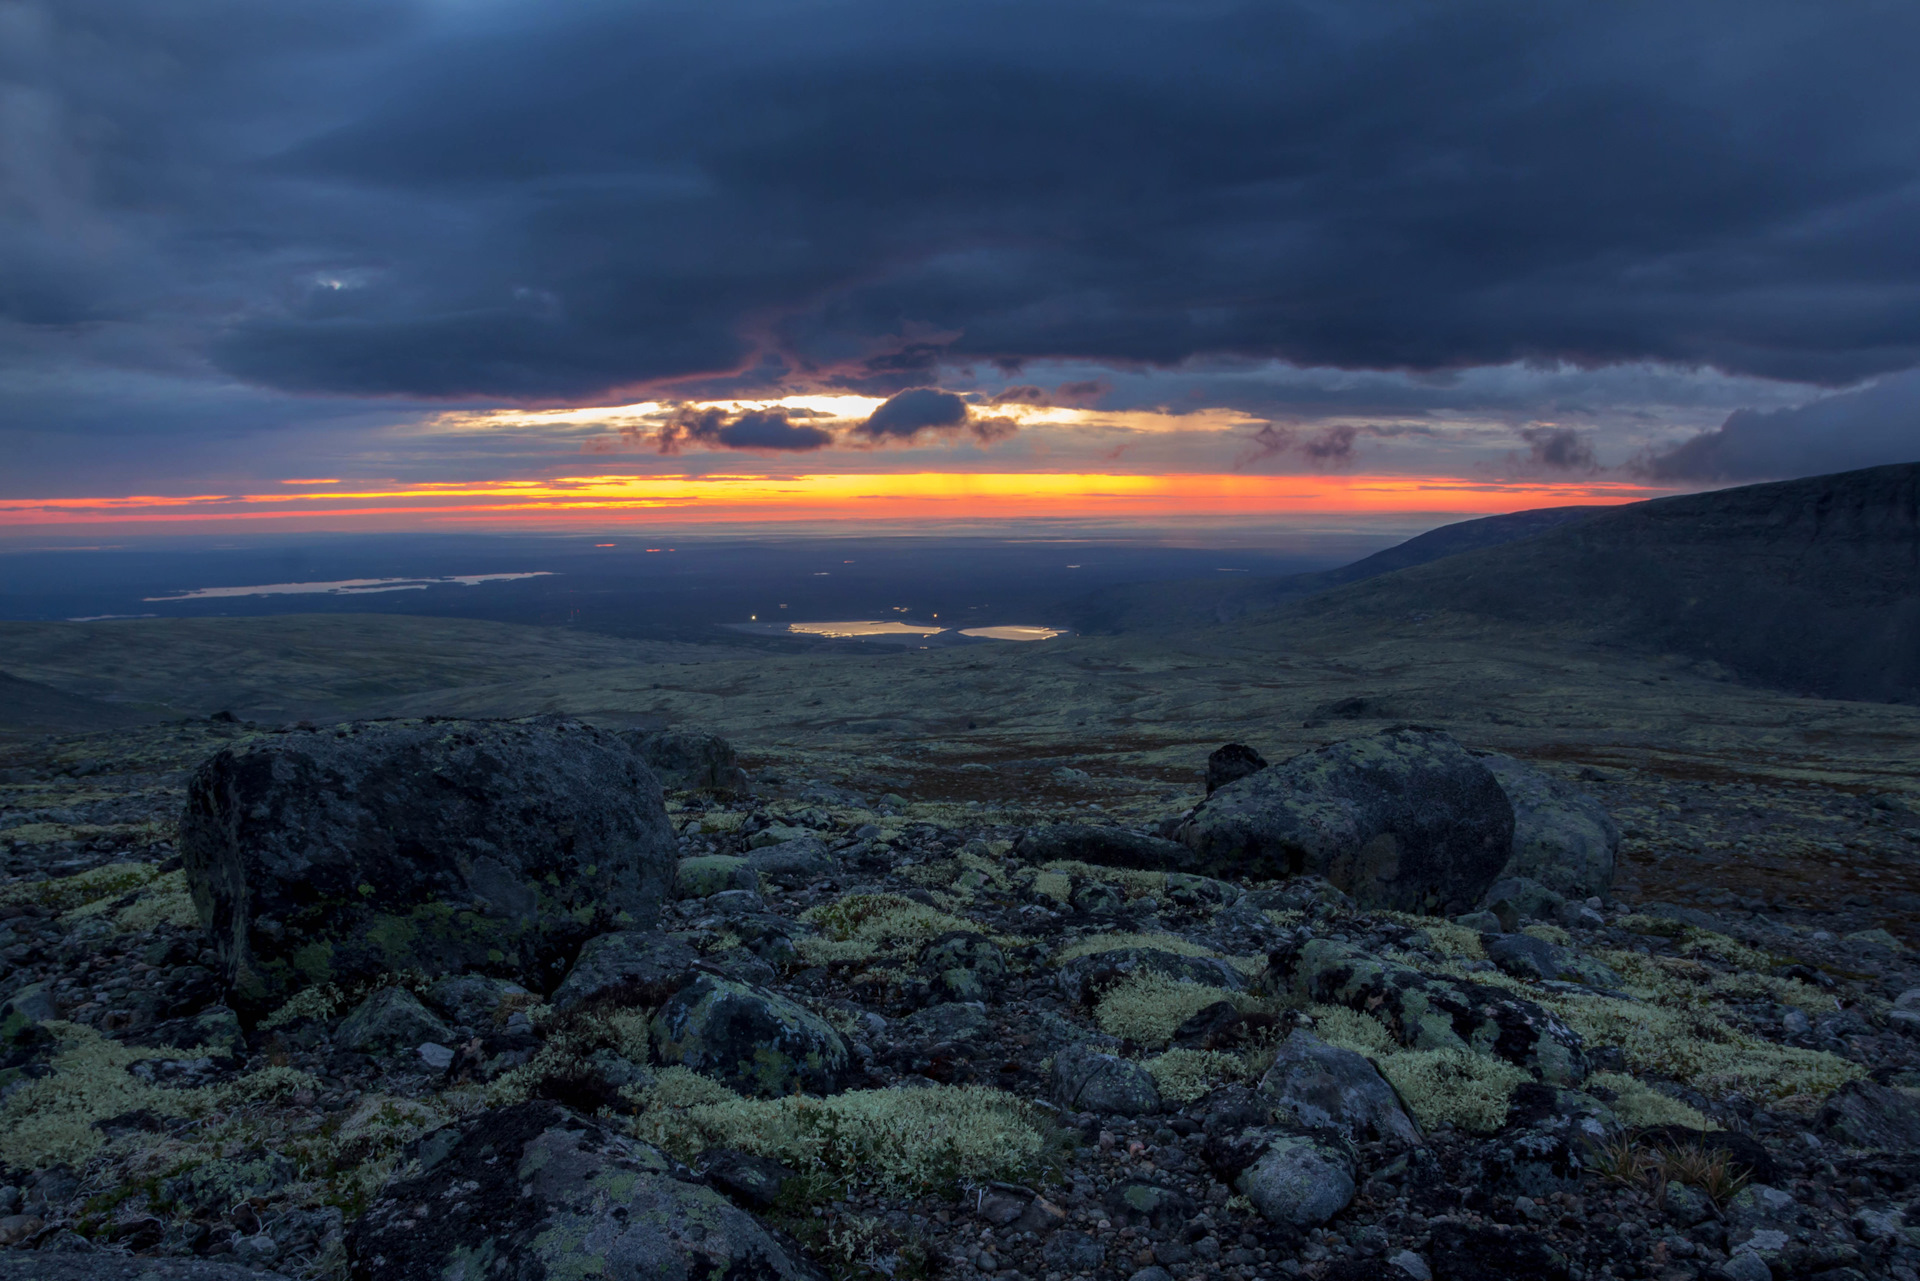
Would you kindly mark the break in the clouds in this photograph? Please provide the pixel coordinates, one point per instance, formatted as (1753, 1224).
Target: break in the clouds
(304, 213)
(1879, 424)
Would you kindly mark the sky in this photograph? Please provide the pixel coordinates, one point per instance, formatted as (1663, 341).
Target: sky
(475, 263)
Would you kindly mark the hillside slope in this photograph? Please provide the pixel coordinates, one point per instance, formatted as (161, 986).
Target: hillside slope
(1806, 585)
(1180, 603)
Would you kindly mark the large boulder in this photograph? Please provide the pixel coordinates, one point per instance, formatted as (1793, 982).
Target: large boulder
(1562, 837)
(442, 847)
(1298, 1180)
(538, 1191)
(1406, 819)
(689, 760)
(748, 1039)
(391, 1020)
(1427, 1013)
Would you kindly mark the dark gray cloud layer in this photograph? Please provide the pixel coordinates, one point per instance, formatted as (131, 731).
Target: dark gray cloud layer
(552, 203)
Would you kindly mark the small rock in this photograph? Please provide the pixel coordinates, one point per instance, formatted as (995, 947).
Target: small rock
(1143, 1203)
(1090, 1081)
(752, 1181)
(438, 1057)
(1298, 1181)
(1562, 837)
(636, 967)
(391, 1019)
(795, 861)
(1862, 1114)
(1231, 763)
(963, 966)
(1071, 1251)
(472, 1000)
(1323, 1086)
(1411, 1264)
(708, 874)
(748, 1039)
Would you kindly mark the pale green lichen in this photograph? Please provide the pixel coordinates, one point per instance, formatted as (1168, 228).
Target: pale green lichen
(1449, 940)
(1352, 1030)
(51, 1120)
(1146, 1008)
(1183, 1075)
(1638, 1104)
(1453, 1087)
(896, 1141)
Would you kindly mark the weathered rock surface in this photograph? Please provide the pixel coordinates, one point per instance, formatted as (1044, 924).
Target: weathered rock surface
(1086, 1079)
(1865, 1115)
(1429, 1013)
(442, 847)
(963, 966)
(1298, 1180)
(689, 760)
(635, 967)
(538, 1191)
(1562, 837)
(392, 1019)
(748, 1039)
(1231, 763)
(474, 1000)
(1323, 1087)
(1406, 819)
(709, 874)
(793, 863)
(1105, 846)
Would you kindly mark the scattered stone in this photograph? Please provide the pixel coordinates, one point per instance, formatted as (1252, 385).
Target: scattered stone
(963, 966)
(1230, 764)
(438, 847)
(389, 1021)
(688, 760)
(536, 1189)
(1406, 819)
(474, 1000)
(751, 1181)
(792, 863)
(1298, 1180)
(748, 1039)
(1323, 1087)
(1477, 1251)
(1146, 1203)
(633, 967)
(1084, 978)
(1104, 846)
(1088, 1080)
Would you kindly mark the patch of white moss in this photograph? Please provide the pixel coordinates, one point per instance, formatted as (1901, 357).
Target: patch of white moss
(1449, 940)
(1453, 1087)
(1146, 1008)
(1183, 1075)
(1638, 1104)
(51, 1120)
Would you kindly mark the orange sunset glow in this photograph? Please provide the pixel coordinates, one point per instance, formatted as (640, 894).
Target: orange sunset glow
(834, 496)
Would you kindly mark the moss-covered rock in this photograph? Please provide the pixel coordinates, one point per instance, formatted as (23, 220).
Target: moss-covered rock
(709, 874)
(390, 1021)
(1323, 1087)
(748, 1039)
(1407, 819)
(1298, 1180)
(634, 967)
(1103, 846)
(963, 966)
(1428, 1013)
(476, 1001)
(689, 760)
(1086, 1079)
(442, 847)
(537, 1191)
(794, 861)
(1084, 979)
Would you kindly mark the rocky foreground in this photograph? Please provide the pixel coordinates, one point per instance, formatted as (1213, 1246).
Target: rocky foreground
(479, 999)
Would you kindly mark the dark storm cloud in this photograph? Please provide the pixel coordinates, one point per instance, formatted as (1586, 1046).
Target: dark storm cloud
(1559, 449)
(561, 203)
(906, 414)
(755, 429)
(1879, 424)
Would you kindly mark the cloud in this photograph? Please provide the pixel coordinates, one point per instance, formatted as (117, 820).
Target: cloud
(906, 414)
(1865, 428)
(756, 429)
(1559, 449)
(865, 199)
(1024, 394)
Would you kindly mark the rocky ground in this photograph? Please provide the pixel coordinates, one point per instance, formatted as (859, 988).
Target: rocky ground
(988, 1059)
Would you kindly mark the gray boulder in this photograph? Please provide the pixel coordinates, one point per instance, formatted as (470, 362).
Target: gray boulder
(348, 854)
(1104, 846)
(689, 760)
(1298, 1180)
(748, 1039)
(1406, 819)
(1562, 837)
(390, 1020)
(538, 1191)
(1526, 957)
(635, 967)
(793, 863)
(1323, 1087)
(1086, 1080)
(1084, 978)
(473, 1000)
